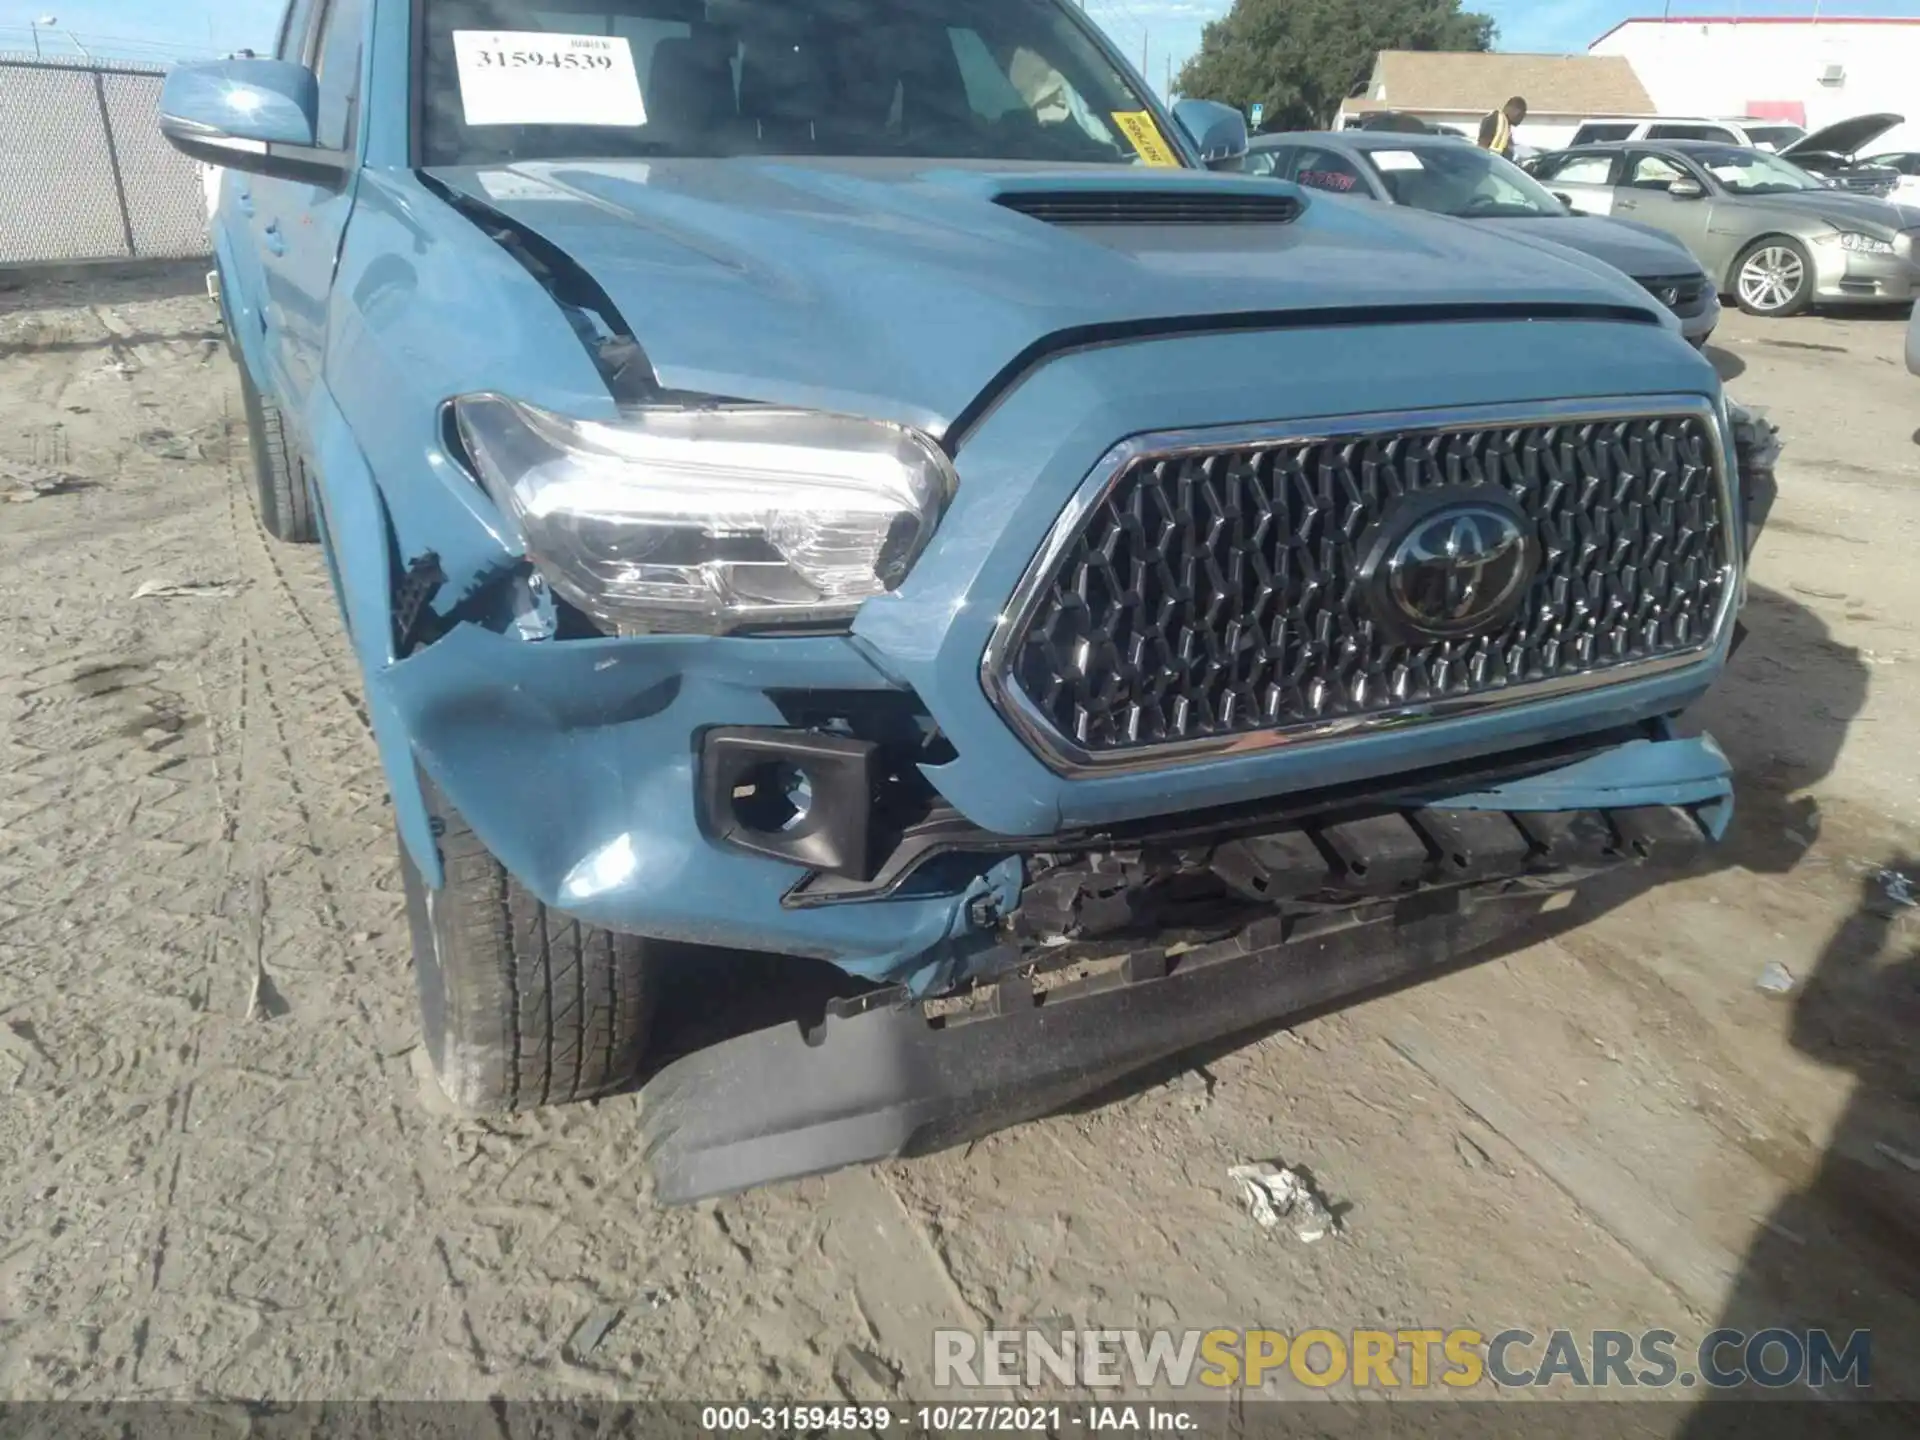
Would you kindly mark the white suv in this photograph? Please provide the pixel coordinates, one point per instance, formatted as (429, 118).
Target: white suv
(1773, 135)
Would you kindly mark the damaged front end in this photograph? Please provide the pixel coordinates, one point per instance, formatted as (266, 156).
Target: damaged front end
(852, 795)
(708, 725)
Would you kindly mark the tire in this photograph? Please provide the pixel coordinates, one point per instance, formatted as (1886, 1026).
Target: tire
(1763, 282)
(286, 510)
(520, 1006)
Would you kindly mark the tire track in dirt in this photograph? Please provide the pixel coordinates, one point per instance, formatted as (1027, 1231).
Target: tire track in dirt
(283, 1215)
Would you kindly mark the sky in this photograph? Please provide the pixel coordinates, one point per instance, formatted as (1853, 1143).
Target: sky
(1166, 31)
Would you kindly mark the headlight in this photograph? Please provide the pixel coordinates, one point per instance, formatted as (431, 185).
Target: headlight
(1864, 244)
(708, 520)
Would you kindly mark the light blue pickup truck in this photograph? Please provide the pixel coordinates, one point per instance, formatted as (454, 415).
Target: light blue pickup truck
(862, 481)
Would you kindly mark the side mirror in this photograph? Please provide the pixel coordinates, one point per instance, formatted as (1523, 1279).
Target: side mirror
(1686, 188)
(1218, 131)
(252, 115)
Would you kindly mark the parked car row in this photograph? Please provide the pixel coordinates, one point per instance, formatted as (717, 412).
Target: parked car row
(1768, 232)
(858, 481)
(1691, 219)
(1440, 175)
(1834, 152)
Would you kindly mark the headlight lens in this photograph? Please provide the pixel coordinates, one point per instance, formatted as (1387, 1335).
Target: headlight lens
(1864, 244)
(708, 520)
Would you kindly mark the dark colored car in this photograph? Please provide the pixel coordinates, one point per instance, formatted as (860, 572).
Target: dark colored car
(1833, 153)
(1906, 165)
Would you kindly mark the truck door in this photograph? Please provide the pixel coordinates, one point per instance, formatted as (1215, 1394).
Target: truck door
(299, 224)
(243, 271)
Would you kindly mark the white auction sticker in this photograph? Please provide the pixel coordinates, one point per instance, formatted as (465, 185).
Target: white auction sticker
(529, 77)
(1397, 160)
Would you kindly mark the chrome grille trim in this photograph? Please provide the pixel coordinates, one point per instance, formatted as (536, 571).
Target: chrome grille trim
(1690, 292)
(1065, 757)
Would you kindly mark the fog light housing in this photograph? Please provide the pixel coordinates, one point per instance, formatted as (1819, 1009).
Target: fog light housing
(791, 795)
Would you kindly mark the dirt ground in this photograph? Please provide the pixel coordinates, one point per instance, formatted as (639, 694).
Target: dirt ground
(219, 1175)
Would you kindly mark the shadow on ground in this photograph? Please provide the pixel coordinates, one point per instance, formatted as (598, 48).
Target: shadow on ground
(1842, 1255)
(1863, 310)
(1726, 364)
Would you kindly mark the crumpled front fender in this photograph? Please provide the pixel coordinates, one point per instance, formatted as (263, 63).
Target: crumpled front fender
(575, 763)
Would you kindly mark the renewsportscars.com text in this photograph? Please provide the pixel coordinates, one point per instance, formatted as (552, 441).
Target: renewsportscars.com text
(1411, 1359)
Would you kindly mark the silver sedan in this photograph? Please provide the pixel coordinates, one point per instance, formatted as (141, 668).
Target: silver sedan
(1774, 237)
(1451, 176)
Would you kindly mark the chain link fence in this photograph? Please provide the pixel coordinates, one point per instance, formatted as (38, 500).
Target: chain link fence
(84, 172)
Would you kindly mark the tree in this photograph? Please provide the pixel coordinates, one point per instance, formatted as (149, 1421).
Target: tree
(1301, 58)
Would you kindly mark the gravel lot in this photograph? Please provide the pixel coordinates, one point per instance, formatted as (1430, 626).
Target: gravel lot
(220, 1175)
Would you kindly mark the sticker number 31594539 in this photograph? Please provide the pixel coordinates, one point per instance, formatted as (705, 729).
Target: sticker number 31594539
(529, 77)
(560, 59)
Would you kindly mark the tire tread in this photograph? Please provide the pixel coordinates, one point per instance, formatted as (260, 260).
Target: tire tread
(539, 1008)
(280, 486)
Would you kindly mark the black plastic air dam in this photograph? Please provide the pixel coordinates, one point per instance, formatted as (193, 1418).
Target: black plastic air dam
(781, 1104)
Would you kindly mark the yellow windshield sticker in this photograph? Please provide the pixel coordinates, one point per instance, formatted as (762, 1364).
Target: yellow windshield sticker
(1145, 137)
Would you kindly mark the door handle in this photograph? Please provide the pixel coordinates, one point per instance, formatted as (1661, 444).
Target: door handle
(276, 242)
(243, 198)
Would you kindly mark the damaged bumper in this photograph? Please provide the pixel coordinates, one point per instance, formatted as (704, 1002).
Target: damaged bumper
(574, 762)
(886, 1076)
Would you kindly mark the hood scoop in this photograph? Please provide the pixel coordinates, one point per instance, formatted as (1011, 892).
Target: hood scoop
(1188, 205)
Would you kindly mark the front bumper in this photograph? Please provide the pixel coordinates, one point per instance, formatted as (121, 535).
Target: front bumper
(1845, 276)
(578, 762)
(572, 761)
(1698, 327)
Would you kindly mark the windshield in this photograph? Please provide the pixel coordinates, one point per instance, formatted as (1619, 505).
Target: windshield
(1774, 137)
(1752, 172)
(506, 80)
(1461, 180)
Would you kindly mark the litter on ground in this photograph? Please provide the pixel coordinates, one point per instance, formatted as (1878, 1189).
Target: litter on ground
(1274, 1194)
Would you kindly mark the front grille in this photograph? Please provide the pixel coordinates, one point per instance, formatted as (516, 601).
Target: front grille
(1184, 206)
(1682, 294)
(1210, 594)
(1868, 184)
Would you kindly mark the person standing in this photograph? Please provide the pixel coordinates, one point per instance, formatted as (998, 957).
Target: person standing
(1496, 129)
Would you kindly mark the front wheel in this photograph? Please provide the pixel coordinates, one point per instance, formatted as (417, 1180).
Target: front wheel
(1774, 278)
(520, 1005)
(286, 512)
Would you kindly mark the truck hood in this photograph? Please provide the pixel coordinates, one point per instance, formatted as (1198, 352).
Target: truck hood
(1641, 253)
(901, 290)
(1845, 139)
